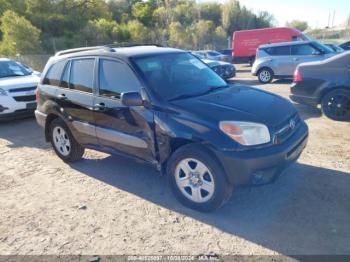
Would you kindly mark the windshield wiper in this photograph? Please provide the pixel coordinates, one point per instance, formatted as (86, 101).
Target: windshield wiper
(210, 89)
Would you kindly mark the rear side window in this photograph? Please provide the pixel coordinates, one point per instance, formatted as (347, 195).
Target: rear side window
(53, 76)
(304, 50)
(279, 50)
(82, 74)
(116, 78)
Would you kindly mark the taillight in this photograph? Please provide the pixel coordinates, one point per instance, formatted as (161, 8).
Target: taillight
(297, 76)
(37, 94)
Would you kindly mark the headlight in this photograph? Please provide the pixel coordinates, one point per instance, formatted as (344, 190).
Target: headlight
(246, 133)
(3, 92)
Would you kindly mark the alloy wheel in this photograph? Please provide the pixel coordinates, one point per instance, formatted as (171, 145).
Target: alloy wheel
(61, 141)
(194, 180)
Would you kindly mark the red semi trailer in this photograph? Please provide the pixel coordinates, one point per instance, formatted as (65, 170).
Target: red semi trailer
(245, 42)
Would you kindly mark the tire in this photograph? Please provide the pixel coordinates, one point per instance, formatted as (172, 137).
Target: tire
(265, 75)
(63, 142)
(197, 179)
(336, 105)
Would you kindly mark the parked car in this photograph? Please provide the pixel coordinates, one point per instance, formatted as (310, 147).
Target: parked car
(212, 55)
(166, 107)
(227, 52)
(326, 83)
(280, 60)
(223, 69)
(345, 46)
(246, 42)
(17, 89)
(335, 48)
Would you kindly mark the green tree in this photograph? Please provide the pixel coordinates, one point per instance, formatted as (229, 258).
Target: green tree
(202, 34)
(297, 24)
(138, 32)
(143, 12)
(210, 11)
(19, 35)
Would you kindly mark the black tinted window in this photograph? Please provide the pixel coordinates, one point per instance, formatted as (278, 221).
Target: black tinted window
(304, 50)
(82, 75)
(116, 78)
(53, 76)
(279, 50)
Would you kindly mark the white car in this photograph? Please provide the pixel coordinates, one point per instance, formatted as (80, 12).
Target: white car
(17, 89)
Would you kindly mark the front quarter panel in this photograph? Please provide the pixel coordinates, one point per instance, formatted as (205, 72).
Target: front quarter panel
(174, 128)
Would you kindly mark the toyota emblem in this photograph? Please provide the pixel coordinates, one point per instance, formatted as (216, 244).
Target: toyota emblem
(292, 124)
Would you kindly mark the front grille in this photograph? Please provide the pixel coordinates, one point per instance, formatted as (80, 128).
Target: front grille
(286, 129)
(22, 89)
(24, 98)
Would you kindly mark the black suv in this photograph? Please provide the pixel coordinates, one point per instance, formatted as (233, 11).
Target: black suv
(168, 108)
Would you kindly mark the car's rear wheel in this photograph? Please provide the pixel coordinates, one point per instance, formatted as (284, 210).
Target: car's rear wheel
(63, 142)
(336, 104)
(197, 179)
(265, 75)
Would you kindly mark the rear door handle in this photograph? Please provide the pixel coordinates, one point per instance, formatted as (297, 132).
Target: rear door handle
(62, 96)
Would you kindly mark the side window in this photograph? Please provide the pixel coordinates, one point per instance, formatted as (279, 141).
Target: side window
(280, 50)
(116, 78)
(304, 50)
(82, 74)
(53, 76)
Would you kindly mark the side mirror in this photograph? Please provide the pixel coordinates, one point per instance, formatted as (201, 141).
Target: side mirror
(131, 99)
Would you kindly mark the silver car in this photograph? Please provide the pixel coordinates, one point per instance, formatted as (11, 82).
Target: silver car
(280, 60)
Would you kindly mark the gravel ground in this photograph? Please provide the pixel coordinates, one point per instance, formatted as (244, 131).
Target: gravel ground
(108, 205)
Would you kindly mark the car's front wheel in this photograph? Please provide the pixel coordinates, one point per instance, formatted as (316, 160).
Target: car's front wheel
(265, 75)
(63, 142)
(336, 104)
(197, 179)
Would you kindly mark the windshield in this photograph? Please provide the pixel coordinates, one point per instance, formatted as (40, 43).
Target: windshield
(325, 49)
(178, 75)
(12, 68)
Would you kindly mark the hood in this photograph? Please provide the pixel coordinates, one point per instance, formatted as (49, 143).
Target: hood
(239, 103)
(19, 81)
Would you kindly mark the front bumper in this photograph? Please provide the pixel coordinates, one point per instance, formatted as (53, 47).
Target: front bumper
(17, 115)
(306, 100)
(262, 166)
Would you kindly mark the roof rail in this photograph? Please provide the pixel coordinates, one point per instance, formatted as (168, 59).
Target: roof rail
(108, 48)
(81, 49)
(116, 45)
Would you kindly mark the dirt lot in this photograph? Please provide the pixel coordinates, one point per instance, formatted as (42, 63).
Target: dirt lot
(109, 205)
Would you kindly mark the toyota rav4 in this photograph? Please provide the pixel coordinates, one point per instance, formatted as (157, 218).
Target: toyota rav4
(166, 107)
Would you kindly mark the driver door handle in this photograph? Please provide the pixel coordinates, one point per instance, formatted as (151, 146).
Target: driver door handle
(62, 97)
(100, 107)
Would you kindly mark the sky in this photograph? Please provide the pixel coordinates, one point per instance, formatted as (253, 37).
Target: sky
(315, 12)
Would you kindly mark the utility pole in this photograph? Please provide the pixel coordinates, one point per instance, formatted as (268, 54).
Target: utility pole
(329, 19)
(333, 18)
